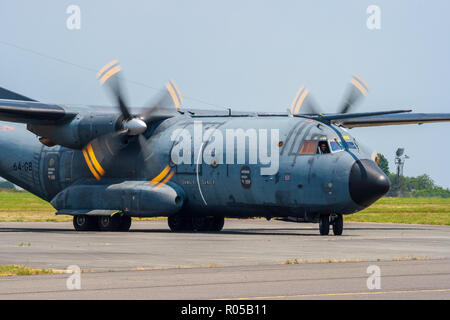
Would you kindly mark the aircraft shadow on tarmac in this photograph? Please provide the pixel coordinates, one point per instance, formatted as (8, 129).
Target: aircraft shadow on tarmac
(37, 230)
(246, 231)
(259, 231)
(278, 231)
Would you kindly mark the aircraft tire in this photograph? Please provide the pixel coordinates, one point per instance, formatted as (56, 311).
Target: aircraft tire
(338, 225)
(85, 223)
(109, 223)
(125, 223)
(324, 225)
(200, 223)
(176, 223)
(216, 224)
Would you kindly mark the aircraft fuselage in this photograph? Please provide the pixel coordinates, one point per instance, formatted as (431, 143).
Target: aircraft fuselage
(278, 172)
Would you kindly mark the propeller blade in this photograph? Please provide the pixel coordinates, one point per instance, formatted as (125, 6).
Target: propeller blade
(303, 102)
(115, 87)
(357, 90)
(99, 153)
(164, 106)
(109, 75)
(310, 106)
(147, 153)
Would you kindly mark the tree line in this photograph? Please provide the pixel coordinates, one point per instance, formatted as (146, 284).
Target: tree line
(401, 186)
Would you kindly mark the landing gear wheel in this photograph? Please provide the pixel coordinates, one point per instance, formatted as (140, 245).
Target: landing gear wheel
(125, 223)
(216, 224)
(85, 223)
(324, 225)
(176, 223)
(338, 225)
(108, 223)
(200, 223)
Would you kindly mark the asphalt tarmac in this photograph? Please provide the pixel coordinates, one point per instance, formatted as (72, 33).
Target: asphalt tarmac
(249, 259)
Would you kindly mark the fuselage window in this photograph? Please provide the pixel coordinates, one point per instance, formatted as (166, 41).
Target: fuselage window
(308, 147)
(323, 148)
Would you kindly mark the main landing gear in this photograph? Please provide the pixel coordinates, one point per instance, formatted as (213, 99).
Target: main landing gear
(116, 222)
(335, 220)
(187, 223)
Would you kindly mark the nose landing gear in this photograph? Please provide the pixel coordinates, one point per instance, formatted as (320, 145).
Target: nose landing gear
(335, 220)
(338, 224)
(324, 225)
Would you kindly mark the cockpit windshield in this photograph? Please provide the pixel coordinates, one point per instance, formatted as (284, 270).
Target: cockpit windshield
(336, 146)
(325, 145)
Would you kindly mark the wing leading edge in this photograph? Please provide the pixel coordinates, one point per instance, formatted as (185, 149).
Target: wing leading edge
(393, 119)
(33, 112)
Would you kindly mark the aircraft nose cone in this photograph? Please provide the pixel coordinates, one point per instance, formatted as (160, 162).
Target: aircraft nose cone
(367, 183)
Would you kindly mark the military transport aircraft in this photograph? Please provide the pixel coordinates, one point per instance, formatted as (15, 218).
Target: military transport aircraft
(104, 165)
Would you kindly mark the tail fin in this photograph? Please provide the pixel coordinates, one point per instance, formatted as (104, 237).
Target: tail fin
(9, 95)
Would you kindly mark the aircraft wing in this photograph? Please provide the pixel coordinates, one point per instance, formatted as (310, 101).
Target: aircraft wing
(33, 112)
(393, 119)
(6, 94)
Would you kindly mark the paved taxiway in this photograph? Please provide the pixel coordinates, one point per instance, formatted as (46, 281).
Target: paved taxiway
(246, 260)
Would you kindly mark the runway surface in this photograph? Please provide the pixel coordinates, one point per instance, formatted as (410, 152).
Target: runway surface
(249, 259)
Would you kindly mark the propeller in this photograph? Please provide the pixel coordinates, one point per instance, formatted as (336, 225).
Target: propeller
(356, 91)
(100, 152)
(303, 102)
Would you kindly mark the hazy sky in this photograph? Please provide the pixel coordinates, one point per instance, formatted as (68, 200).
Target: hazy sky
(248, 55)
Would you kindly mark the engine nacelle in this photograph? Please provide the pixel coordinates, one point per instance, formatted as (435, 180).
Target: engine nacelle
(135, 198)
(78, 132)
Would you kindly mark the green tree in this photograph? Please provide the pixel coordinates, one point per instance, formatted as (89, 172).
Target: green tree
(421, 186)
(383, 163)
(423, 182)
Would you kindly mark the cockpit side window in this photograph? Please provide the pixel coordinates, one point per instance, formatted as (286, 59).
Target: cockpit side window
(308, 147)
(351, 143)
(323, 147)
